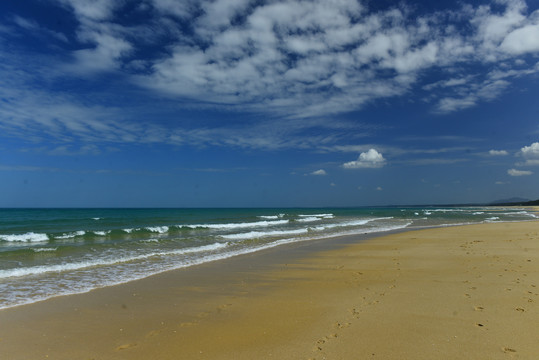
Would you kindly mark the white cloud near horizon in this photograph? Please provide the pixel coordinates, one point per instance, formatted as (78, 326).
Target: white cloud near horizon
(515, 172)
(320, 172)
(498, 152)
(370, 159)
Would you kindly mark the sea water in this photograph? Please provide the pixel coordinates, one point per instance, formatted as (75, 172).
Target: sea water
(51, 252)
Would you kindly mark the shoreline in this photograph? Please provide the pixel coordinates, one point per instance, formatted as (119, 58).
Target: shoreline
(308, 300)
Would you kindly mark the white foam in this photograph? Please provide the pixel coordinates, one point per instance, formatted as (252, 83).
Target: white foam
(494, 218)
(157, 229)
(37, 270)
(520, 213)
(348, 223)
(328, 216)
(101, 233)
(96, 218)
(478, 213)
(38, 250)
(268, 217)
(259, 234)
(236, 225)
(28, 237)
(71, 235)
(309, 219)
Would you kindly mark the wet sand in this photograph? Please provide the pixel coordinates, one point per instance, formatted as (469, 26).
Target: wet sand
(469, 292)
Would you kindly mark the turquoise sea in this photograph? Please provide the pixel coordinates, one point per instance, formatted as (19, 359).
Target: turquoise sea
(51, 252)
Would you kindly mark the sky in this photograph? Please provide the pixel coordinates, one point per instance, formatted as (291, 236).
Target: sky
(240, 103)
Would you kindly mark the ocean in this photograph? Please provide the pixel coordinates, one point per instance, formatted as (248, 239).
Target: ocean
(52, 252)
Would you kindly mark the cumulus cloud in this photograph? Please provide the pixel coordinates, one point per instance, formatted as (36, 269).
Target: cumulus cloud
(369, 159)
(515, 172)
(531, 154)
(498, 152)
(320, 172)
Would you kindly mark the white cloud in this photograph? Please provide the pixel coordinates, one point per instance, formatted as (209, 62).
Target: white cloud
(498, 152)
(531, 154)
(531, 151)
(302, 58)
(319, 57)
(96, 10)
(294, 58)
(523, 40)
(369, 159)
(320, 172)
(515, 172)
(35, 28)
(106, 54)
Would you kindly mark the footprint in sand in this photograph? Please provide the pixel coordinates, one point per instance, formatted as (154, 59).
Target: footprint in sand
(204, 314)
(519, 309)
(341, 325)
(508, 350)
(153, 333)
(190, 323)
(479, 308)
(222, 307)
(125, 346)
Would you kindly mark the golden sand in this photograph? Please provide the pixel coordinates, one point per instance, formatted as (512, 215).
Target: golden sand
(467, 292)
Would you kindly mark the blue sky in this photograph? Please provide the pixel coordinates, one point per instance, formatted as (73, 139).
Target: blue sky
(267, 103)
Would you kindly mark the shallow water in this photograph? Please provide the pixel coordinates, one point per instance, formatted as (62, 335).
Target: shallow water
(51, 252)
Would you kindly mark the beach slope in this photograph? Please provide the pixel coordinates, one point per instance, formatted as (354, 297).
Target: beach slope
(458, 292)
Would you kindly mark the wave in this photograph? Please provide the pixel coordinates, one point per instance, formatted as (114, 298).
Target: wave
(309, 219)
(37, 270)
(326, 216)
(234, 225)
(28, 237)
(157, 229)
(71, 235)
(526, 213)
(271, 217)
(38, 250)
(348, 223)
(259, 234)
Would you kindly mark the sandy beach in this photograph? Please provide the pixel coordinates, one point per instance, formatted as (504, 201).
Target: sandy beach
(468, 292)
